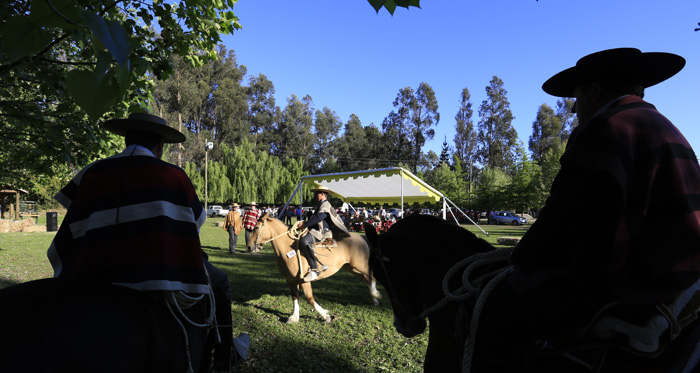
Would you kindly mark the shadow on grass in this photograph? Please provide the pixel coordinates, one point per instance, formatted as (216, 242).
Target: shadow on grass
(284, 353)
(6, 283)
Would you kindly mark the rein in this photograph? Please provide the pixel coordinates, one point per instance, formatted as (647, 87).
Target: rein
(470, 290)
(467, 266)
(293, 232)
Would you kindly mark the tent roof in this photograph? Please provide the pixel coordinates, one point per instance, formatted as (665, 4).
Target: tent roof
(384, 185)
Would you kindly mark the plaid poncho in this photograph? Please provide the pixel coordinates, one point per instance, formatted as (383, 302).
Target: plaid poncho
(132, 220)
(622, 222)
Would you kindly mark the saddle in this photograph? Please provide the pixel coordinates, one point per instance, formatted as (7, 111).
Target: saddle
(642, 338)
(326, 243)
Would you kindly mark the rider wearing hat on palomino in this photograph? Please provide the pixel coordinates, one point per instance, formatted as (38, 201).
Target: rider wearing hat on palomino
(319, 225)
(628, 160)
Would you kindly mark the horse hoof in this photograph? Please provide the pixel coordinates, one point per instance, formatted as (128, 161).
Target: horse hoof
(375, 301)
(292, 320)
(327, 319)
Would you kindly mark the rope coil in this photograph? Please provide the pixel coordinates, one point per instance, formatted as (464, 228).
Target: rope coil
(471, 289)
(179, 300)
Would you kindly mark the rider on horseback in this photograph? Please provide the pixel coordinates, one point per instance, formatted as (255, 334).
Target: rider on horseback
(319, 225)
(625, 158)
(133, 220)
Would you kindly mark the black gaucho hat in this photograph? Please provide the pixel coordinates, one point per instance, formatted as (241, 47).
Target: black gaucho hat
(624, 64)
(145, 123)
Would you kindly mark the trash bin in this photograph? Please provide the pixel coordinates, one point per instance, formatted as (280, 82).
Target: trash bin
(51, 221)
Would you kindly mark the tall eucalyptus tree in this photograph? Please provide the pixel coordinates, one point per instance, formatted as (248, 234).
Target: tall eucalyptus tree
(496, 136)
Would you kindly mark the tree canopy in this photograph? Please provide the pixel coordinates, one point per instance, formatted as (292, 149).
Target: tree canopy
(69, 65)
(65, 64)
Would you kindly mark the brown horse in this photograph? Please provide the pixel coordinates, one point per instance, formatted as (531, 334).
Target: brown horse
(350, 254)
(413, 261)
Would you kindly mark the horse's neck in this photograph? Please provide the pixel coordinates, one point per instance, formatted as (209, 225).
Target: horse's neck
(282, 243)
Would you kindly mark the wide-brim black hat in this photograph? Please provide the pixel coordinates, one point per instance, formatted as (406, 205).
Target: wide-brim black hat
(145, 123)
(625, 64)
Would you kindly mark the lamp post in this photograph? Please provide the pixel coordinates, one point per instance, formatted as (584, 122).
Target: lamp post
(208, 145)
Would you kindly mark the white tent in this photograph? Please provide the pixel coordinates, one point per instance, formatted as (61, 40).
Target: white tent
(386, 185)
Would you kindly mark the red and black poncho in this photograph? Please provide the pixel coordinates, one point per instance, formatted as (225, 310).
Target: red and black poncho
(132, 220)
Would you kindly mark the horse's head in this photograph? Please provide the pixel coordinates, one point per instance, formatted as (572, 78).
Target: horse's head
(396, 273)
(411, 259)
(259, 234)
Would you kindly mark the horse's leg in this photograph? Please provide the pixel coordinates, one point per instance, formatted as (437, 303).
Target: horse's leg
(294, 288)
(309, 294)
(376, 295)
(363, 274)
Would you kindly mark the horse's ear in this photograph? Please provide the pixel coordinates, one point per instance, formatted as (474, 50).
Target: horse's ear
(372, 237)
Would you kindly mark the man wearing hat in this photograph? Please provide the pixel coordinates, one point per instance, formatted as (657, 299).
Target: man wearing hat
(250, 220)
(320, 223)
(627, 159)
(133, 220)
(233, 225)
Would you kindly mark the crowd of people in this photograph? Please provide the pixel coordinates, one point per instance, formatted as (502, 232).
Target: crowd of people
(352, 218)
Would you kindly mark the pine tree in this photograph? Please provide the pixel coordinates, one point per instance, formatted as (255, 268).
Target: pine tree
(445, 154)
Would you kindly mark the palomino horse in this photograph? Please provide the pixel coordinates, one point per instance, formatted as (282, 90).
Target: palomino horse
(350, 254)
(56, 325)
(415, 262)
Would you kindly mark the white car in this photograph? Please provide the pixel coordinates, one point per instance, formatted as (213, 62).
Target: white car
(215, 211)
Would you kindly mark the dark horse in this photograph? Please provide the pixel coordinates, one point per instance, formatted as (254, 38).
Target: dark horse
(54, 325)
(411, 261)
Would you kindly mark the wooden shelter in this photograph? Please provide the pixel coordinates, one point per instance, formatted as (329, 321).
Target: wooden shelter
(11, 194)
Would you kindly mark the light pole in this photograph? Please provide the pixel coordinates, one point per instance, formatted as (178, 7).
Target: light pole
(207, 147)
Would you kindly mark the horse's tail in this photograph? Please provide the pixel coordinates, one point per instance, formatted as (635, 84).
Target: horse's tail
(372, 239)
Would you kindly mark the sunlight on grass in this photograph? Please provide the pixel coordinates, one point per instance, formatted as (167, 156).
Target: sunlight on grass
(361, 337)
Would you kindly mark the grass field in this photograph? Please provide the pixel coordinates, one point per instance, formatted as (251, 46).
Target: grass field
(361, 337)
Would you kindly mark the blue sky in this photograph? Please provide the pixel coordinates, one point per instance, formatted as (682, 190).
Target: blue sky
(352, 60)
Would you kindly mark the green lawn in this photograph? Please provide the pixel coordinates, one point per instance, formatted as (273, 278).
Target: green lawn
(361, 337)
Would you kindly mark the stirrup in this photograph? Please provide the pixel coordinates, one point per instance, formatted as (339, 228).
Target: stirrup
(312, 275)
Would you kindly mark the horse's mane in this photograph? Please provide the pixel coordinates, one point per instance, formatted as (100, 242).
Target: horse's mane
(271, 217)
(426, 232)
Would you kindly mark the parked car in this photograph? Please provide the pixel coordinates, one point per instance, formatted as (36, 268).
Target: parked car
(504, 217)
(216, 210)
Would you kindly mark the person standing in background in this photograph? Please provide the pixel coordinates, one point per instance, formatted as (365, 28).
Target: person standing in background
(233, 224)
(250, 219)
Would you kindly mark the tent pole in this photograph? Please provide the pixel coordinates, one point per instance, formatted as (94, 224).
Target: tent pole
(284, 209)
(444, 208)
(401, 181)
(301, 208)
(468, 218)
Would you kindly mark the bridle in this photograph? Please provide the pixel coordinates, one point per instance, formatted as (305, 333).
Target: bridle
(389, 286)
(292, 232)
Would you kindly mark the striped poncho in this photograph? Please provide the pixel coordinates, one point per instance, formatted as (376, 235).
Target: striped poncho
(132, 220)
